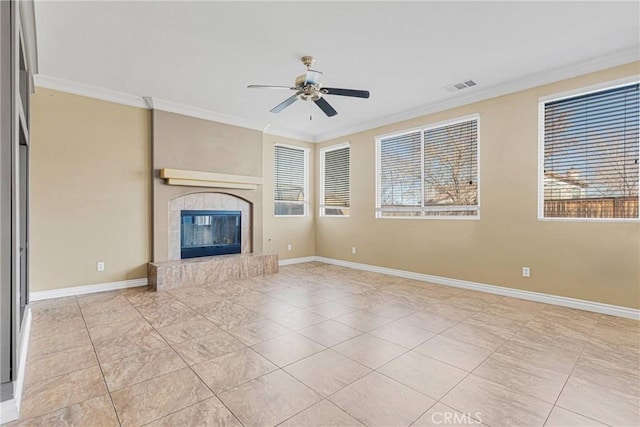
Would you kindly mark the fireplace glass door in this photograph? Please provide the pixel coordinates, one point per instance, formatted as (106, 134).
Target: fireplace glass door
(206, 233)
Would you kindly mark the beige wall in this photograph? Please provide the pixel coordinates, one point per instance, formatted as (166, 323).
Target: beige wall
(183, 142)
(90, 191)
(281, 231)
(585, 260)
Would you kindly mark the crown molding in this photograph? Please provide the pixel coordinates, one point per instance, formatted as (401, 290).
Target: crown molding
(620, 57)
(596, 64)
(89, 91)
(152, 103)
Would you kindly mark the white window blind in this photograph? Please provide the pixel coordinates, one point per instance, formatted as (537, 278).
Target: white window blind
(430, 172)
(290, 181)
(335, 181)
(591, 151)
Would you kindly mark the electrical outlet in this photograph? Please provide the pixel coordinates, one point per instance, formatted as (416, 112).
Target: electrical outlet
(354, 250)
(526, 272)
(100, 266)
(289, 247)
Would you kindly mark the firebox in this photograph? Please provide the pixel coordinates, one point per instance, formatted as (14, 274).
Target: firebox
(206, 233)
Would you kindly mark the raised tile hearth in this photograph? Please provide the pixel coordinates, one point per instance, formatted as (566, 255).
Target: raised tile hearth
(205, 270)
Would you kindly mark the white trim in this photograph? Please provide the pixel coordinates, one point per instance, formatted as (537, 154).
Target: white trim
(614, 59)
(542, 101)
(612, 310)
(89, 91)
(87, 289)
(301, 260)
(10, 409)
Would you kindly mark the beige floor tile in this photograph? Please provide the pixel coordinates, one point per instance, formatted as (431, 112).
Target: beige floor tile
(490, 337)
(60, 363)
(454, 352)
(509, 325)
(118, 329)
(168, 313)
(330, 309)
(254, 333)
(322, 414)
(54, 310)
(376, 400)
(207, 347)
(109, 350)
(521, 376)
(48, 344)
(99, 298)
(616, 376)
(295, 319)
(600, 403)
(495, 404)
(370, 351)
(116, 311)
(232, 369)
(551, 356)
(57, 327)
(442, 415)
(287, 348)
(93, 412)
(424, 374)
(330, 333)
(362, 320)
(155, 398)
(327, 372)
(59, 392)
(210, 412)
(196, 297)
(134, 369)
(269, 399)
(562, 418)
(228, 315)
(185, 331)
(402, 334)
(429, 322)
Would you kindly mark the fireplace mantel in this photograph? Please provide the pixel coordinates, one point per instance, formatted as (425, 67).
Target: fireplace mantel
(209, 179)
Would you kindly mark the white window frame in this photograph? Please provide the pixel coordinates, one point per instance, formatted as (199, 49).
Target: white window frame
(323, 151)
(422, 129)
(305, 202)
(542, 101)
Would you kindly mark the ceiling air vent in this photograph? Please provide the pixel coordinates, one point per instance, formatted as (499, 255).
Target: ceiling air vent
(459, 86)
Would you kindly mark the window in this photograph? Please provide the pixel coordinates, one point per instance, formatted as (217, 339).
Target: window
(335, 183)
(430, 172)
(589, 151)
(290, 186)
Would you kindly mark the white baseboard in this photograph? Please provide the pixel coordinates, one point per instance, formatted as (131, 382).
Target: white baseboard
(88, 289)
(613, 310)
(301, 260)
(10, 409)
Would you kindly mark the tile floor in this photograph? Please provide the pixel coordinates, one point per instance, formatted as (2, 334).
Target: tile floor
(320, 345)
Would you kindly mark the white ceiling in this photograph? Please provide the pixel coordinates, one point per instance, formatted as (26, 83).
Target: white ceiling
(204, 54)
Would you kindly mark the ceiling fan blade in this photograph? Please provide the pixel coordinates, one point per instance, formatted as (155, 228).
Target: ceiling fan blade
(270, 87)
(312, 77)
(284, 104)
(324, 106)
(346, 92)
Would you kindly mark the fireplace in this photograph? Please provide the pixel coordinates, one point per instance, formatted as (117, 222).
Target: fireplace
(206, 233)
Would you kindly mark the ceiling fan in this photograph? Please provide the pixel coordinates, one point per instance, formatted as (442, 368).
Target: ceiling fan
(308, 87)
